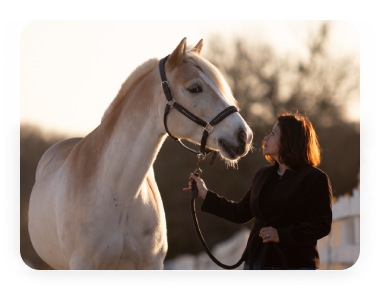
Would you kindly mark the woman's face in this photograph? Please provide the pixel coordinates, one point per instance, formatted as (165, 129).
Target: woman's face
(272, 141)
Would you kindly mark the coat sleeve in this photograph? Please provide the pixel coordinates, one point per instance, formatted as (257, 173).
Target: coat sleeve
(237, 212)
(319, 221)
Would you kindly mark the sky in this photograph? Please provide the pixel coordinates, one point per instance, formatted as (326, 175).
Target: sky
(71, 70)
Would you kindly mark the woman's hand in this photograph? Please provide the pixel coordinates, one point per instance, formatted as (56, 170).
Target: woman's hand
(271, 232)
(202, 189)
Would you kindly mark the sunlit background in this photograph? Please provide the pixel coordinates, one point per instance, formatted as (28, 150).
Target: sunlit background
(71, 71)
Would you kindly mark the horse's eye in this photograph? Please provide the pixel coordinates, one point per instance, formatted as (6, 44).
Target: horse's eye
(194, 89)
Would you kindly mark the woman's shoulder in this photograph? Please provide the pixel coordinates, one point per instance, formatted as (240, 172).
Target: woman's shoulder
(302, 171)
(314, 171)
(312, 174)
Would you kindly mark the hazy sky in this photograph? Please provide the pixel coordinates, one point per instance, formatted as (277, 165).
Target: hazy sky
(71, 70)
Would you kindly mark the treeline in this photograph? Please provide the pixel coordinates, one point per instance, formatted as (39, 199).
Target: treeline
(264, 85)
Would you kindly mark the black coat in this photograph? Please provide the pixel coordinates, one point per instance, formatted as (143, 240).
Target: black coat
(300, 210)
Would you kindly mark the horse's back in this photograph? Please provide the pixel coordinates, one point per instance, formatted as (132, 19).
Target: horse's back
(42, 213)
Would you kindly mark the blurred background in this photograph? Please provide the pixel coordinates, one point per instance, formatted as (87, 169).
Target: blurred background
(71, 71)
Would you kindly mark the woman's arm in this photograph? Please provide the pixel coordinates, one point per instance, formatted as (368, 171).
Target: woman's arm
(319, 222)
(237, 212)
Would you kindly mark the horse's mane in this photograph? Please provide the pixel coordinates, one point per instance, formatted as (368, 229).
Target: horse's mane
(139, 71)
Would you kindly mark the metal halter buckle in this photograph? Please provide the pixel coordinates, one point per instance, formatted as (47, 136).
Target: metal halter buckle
(171, 106)
(166, 83)
(208, 130)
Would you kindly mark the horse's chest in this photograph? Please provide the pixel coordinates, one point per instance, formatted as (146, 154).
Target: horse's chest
(144, 235)
(118, 232)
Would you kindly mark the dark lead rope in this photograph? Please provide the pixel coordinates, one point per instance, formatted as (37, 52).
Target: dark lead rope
(207, 129)
(248, 249)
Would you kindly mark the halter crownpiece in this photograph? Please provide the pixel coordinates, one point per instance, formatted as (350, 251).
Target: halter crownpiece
(207, 126)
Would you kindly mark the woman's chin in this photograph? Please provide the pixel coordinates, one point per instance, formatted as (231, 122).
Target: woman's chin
(267, 152)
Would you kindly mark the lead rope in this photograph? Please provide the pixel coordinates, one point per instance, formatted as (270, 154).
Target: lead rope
(250, 244)
(202, 153)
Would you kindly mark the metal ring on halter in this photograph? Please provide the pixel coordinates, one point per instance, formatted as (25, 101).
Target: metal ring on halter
(201, 155)
(167, 102)
(205, 128)
(198, 172)
(166, 83)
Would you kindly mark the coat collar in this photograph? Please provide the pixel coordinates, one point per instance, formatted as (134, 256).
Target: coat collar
(294, 169)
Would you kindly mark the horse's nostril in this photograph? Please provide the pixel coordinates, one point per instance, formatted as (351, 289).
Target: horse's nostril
(243, 136)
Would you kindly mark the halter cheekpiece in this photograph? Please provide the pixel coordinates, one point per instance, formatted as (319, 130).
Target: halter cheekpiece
(207, 126)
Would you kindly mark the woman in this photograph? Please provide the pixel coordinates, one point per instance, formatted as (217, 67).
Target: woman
(290, 199)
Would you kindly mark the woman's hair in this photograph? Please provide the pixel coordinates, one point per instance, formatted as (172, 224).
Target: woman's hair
(299, 144)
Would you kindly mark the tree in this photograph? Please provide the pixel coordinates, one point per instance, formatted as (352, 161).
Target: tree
(266, 85)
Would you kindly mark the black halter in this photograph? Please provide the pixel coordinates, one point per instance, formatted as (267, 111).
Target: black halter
(207, 127)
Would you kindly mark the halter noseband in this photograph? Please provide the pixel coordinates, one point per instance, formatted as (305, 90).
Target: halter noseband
(207, 127)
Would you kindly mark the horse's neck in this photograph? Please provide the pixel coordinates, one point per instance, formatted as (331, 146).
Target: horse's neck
(136, 139)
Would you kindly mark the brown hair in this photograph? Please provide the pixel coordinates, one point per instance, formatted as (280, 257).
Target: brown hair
(299, 144)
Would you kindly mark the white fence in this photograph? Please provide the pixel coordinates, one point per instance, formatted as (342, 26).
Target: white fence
(340, 249)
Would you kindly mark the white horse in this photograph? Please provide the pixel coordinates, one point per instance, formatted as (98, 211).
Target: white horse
(371, 167)
(95, 203)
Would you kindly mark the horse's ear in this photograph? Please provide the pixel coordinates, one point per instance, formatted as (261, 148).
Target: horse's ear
(198, 48)
(178, 55)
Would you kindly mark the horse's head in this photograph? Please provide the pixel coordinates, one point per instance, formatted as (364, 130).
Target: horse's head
(200, 88)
